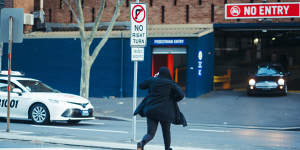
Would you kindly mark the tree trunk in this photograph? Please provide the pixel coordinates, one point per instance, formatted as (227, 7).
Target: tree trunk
(85, 72)
(87, 60)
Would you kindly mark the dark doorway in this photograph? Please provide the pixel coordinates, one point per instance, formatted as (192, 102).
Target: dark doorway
(176, 64)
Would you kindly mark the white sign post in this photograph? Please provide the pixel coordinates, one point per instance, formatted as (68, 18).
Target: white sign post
(138, 40)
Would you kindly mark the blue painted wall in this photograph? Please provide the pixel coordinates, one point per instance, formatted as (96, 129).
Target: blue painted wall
(198, 85)
(57, 62)
(54, 61)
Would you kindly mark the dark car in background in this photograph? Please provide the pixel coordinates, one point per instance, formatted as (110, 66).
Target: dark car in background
(268, 78)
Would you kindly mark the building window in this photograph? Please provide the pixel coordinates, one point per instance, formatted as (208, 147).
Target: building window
(162, 14)
(238, 20)
(278, 0)
(200, 2)
(251, 1)
(93, 14)
(105, 4)
(71, 17)
(225, 1)
(82, 3)
(151, 3)
(127, 3)
(292, 19)
(212, 19)
(50, 14)
(61, 3)
(187, 7)
(175, 2)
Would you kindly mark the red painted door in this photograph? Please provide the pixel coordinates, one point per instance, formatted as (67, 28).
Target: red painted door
(159, 60)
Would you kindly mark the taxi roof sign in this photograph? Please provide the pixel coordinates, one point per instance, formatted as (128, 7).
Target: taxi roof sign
(13, 73)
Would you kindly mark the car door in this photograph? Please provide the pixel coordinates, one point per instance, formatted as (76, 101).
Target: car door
(3, 99)
(19, 102)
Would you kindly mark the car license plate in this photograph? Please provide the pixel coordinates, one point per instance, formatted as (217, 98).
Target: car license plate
(85, 113)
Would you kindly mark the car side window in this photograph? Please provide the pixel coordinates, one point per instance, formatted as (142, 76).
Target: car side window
(3, 85)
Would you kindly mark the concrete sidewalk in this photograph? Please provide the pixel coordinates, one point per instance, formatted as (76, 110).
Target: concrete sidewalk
(82, 143)
(219, 108)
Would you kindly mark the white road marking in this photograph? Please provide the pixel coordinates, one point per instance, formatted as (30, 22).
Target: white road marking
(94, 123)
(205, 130)
(93, 130)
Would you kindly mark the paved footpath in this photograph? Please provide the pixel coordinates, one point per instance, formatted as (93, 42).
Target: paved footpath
(220, 108)
(83, 143)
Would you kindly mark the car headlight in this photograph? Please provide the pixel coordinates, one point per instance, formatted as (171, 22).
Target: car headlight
(53, 100)
(252, 82)
(280, 81)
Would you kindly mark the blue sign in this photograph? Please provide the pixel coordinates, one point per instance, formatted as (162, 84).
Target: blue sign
(200, 62)
(169, 42)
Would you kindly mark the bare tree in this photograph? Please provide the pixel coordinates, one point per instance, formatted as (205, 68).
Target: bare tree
(87, 38)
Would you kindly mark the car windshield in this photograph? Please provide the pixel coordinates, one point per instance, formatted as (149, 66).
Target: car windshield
(269, 70)
(36, 86)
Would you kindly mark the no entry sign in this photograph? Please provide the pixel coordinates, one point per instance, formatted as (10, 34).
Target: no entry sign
(262, 10)
(138, 13)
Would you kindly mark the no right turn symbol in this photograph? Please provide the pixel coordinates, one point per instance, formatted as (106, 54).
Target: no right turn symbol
(138, 13)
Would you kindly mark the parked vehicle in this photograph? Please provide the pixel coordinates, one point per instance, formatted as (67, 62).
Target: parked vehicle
(31, 99)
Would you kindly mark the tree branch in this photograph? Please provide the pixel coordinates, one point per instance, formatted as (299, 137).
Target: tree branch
(81, 21)
(119, 3)
(72, 10)
(97, 22)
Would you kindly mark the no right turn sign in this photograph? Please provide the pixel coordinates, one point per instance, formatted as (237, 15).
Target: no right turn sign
(138, 13)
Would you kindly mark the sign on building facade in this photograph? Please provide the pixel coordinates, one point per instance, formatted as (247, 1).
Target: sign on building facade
(262, 10)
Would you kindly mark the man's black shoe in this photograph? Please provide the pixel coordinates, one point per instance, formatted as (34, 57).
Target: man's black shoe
(140, 146)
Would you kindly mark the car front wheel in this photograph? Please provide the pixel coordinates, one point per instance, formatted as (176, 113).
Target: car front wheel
(285, 91)
(39, 114)
(249, 93)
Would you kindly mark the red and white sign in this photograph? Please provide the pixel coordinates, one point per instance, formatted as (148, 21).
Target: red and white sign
(262, 10)
(138, 13)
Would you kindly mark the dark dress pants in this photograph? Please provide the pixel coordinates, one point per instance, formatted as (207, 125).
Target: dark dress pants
(151, 130)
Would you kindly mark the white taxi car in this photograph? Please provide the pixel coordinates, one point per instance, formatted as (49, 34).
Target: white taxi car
(31, 99)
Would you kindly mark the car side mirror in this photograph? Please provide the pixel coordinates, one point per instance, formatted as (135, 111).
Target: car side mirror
(18, 91)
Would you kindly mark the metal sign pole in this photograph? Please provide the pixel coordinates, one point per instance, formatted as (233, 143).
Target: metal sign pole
(134, 99)
(9, 71)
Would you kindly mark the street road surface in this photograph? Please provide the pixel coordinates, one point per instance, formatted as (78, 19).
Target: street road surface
(217, 120)
(120, 131)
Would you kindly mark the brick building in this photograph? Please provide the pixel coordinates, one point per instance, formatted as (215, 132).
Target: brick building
(159, 11)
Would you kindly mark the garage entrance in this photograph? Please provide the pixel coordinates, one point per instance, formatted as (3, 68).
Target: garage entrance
(241, 49)
(175, 59)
